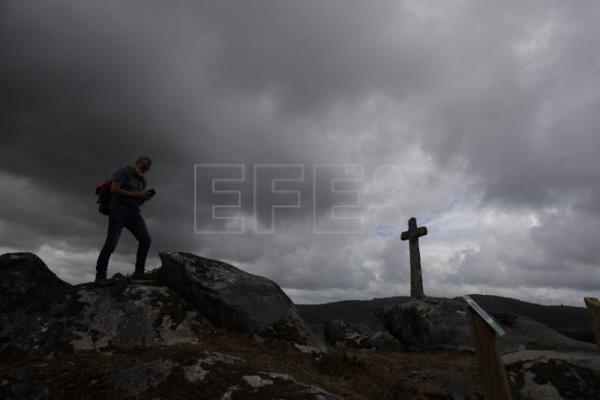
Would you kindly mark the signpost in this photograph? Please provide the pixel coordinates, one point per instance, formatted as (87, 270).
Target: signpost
(593, 307)
(486, 317)
(485, 329)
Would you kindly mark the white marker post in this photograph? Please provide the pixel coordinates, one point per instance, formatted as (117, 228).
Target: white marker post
(485, 329)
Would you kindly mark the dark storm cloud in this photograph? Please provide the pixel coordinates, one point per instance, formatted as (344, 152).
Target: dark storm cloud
(473, 99)
(86, 87)
(93, 85)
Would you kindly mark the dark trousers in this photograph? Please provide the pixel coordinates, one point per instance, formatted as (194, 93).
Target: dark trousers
(118, 218)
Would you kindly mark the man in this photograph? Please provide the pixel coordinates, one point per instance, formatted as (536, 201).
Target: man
(127, 195)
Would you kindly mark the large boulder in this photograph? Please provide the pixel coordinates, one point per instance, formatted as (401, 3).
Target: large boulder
(547, 375)
(444, 324)
(25, 281)
(41, 313)
(234, 299)
(421, 325)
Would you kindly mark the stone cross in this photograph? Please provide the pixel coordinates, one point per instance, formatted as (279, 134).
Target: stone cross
(416, 279)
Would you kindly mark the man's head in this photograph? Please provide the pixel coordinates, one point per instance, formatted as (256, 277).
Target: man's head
(143, 164)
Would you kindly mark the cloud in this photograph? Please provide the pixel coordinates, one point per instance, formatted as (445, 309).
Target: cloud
(480, 119)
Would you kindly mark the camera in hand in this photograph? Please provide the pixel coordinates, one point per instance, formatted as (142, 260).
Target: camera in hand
(152, 192)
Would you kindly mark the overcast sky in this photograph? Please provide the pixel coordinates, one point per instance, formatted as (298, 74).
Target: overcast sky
(479, 118)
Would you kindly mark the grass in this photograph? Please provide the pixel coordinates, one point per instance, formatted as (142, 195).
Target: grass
(354, 374)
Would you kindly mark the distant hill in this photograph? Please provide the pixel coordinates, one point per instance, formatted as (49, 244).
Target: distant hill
(571, 321)
(347, 310)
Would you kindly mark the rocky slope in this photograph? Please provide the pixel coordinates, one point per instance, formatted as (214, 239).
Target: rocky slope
(201, 328)
(46, 323)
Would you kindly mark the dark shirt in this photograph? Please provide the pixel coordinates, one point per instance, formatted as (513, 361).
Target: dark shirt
(130, 181)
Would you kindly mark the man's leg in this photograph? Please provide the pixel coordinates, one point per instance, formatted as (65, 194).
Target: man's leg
(137, 226)
(116, 221)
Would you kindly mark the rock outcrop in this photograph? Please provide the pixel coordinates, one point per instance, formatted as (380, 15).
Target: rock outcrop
(233, 299)
(444, 324)
(421, 325)
(132, 315)
(153, 339)
(25, 281)
(44, 314)
(63, 341)
(342, 334)
(547, 375)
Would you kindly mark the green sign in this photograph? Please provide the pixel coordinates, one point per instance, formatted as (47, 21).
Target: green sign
(486, 317)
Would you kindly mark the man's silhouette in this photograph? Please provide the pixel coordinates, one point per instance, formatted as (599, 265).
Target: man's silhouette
(127, 195)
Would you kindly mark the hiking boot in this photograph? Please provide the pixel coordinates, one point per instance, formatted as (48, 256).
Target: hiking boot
(102, 281)
(140, 275)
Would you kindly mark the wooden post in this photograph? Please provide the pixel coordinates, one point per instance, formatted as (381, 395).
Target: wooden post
(593, 307)
(489, 359)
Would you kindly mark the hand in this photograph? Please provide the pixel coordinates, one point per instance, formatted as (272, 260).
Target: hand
(144, 195)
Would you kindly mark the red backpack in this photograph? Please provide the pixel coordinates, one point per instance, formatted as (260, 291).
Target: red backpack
(104, 195)
(103, 192)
